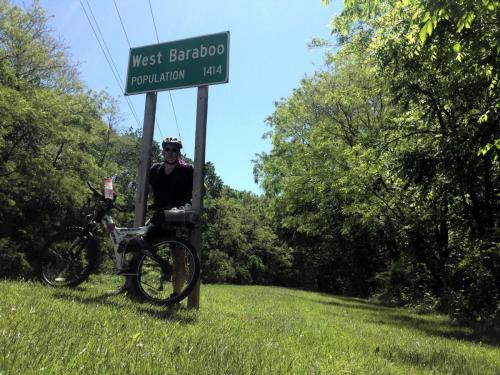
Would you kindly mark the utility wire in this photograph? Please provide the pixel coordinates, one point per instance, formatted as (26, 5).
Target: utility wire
(130, 46)
(154, 23)
(175, 116)
(169, 93)
(118, 81)
(100, 45)
(121, 21)
(158, 41)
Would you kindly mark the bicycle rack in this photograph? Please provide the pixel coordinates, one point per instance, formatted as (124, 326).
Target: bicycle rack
(186, 218)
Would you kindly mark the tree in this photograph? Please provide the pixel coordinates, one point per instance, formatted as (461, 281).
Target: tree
(321, 171)
(441, 60)
(51, 133)
(239, 245)
(383, 174)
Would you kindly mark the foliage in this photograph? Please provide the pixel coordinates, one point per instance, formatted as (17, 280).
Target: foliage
(239, 245)
(322, 171)
(441, 62)
(383, 174)
(213, 182)
(13, 263)
(53, 137)
(405, 282)
(476, 296)
(44, 149)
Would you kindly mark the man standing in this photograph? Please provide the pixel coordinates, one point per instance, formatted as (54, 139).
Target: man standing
(172, 185)
(171, 181)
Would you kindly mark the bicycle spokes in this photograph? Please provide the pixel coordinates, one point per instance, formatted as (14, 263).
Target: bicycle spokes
(66, 260)
(168, 271)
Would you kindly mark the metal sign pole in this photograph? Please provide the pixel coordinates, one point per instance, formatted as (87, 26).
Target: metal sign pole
(141, 194)
(198, 180)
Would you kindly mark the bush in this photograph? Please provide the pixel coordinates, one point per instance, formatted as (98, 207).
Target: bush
(218, 267)
(405, 283)
(13, 263)
(475, 295)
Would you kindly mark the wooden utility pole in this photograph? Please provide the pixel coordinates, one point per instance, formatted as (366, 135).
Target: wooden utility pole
(198, 181)
(141, 194)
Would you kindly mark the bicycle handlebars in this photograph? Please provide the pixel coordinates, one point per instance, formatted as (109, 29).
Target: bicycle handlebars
(113, 205)
(110, 202)
(94, 190)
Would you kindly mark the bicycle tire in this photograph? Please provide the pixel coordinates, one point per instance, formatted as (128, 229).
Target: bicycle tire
(152, 280)
(67, 258)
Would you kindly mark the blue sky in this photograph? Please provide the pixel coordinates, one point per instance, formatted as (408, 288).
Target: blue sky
(268, 58)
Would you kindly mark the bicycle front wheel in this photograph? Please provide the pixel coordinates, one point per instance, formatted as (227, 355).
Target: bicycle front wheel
(68, 258)
(169, 273)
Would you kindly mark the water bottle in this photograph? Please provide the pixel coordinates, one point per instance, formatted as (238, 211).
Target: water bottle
(108, 188)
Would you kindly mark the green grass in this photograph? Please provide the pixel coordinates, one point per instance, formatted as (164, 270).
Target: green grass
(238, 330)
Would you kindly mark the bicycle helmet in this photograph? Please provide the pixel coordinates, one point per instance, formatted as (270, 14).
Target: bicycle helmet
(171, 141)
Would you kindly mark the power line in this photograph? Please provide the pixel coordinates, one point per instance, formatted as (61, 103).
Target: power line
(130, 46)
(154, 23)
(169, 93)
(120, 82)
(121, 21)
(108, 61)
(175, 116)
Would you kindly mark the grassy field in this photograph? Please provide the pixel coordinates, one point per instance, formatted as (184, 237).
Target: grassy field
(238, 330)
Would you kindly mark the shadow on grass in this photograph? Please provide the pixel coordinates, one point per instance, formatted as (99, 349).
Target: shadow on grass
(441, 360)
(392, 316)
(177, 313)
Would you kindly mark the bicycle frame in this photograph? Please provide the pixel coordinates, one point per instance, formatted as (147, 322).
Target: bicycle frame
(117, 235)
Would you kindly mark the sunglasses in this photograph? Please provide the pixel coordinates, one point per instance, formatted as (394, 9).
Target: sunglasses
(167, 149)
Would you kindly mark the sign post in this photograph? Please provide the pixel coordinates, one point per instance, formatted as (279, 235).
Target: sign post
(195, 62)
(198, 178)
(141, 193)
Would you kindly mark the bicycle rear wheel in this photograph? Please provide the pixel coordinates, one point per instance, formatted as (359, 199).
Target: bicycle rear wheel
(168, 274)
(68, 258)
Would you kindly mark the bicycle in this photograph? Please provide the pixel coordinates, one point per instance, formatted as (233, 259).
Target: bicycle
(69, 257)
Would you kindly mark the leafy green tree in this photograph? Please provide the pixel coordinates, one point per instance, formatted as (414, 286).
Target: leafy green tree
(239, 244)
(321, 173)
(441, 60)
(51, 133)
(384, 171)
(213, 182)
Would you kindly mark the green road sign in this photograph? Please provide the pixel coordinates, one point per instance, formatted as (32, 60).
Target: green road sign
(183, 63)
